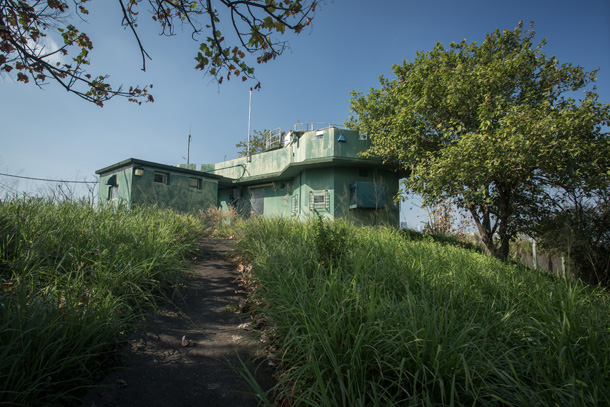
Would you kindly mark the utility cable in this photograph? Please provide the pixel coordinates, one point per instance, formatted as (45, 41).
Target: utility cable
(49, 180)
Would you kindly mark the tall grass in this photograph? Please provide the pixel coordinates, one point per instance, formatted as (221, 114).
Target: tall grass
(384, 321)
(74, 280)
(218, 222)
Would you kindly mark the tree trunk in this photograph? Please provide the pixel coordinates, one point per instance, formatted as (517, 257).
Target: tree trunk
(503, 250)
(483, 223)
(505, 212)
(486, 231)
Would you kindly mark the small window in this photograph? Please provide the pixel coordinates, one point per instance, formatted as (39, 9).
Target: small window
(195, 183)
(161, 178)
(320, 134)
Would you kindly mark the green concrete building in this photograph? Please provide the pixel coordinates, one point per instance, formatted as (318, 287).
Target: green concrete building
(138, 182)
(301, 174)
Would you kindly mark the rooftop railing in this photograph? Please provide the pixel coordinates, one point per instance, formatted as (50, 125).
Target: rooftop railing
(311, 126)
(273, 139)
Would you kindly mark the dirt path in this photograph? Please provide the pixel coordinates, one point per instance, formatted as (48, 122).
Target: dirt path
(162, 372)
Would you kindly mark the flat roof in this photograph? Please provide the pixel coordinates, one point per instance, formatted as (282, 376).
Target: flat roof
(134, 162)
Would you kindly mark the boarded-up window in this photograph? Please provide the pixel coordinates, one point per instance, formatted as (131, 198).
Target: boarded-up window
(195, 183)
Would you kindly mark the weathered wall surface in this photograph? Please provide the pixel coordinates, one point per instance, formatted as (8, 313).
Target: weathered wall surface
(157, 184)
(311, 175)
(115, 187)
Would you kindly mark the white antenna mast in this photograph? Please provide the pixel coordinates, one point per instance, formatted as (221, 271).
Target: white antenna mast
(249, 121)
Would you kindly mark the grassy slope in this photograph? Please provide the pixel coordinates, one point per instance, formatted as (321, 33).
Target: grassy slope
(74, 280)
(364, 317)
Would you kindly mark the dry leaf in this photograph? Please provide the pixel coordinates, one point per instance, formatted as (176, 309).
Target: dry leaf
(185, 342)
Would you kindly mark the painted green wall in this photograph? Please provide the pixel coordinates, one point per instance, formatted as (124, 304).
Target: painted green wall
(280, 196)
(310, 148)
(317, 181)
(142, 190)
(316, 163)
(389, 214)
(123, 179)
(176, 194)
(277, 200)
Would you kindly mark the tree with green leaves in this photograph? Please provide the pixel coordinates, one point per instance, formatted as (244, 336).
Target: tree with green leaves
(494, 127)
(25, 56)
(257, 143)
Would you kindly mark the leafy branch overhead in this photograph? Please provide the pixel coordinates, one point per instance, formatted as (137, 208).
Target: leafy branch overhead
(29, 29)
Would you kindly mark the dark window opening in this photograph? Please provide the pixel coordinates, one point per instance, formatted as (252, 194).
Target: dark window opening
(161, 178)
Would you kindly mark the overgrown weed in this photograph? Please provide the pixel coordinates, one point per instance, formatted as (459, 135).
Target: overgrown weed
(74, 280)
(218, 222)
(396, 322)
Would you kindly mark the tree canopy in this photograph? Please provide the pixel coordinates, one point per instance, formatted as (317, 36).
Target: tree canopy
(257, 143)
(255, 23)
(495, 127)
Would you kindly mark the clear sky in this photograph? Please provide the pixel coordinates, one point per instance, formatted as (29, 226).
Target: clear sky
(49, 133)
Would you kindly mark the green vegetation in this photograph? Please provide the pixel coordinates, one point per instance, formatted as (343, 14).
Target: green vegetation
(218, 222)
(75, 279)
(495, 128)
(257, 143)
(383, 321)
(580, 229)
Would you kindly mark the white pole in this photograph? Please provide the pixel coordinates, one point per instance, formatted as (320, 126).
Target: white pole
(249, 121)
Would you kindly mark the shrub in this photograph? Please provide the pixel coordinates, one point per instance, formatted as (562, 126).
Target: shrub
(582, 233)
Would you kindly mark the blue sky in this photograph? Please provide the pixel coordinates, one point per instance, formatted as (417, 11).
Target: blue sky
(49, 133)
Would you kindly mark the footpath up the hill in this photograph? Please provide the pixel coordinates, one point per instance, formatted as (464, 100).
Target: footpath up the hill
(162, 369)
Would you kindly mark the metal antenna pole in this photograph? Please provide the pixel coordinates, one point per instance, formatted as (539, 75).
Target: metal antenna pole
(188, 152)
(249, 121)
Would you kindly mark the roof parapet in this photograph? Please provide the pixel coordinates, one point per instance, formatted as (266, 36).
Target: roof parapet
(313, 126)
